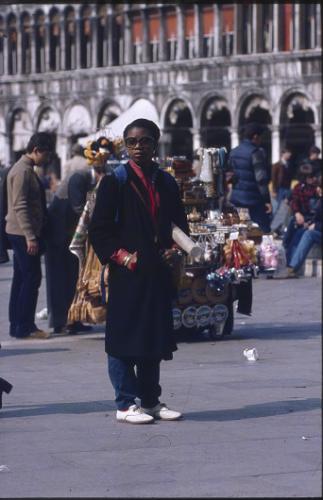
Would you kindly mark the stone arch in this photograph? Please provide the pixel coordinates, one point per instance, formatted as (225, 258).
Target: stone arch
(255, 108)
(215, 123)
(297, 120)
(108, 111)
(77, 122)
(20, 131)
(178, 125)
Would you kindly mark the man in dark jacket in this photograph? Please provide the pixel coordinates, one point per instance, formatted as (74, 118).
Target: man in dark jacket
(61, 265)
(131, 229)
(250, 177)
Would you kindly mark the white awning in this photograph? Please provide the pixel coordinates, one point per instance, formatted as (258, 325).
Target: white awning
(140, 109)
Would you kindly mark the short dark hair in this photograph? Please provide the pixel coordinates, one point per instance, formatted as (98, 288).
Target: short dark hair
(252, 129)
(143, 123)
(314, 149)
(42, 141)
(286, 150)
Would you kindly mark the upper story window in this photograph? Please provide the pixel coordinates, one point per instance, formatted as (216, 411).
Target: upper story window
(247, 28)
(12, 44)
(189, 33)
(101, 21)
(137, 39)
(153, 35)
(70, 39)
(171, 34)
(267, 27)
(54, 40)
(227, 29)
(40, 38)
(86, 35)
(208, 30)
(26, 33)
(308, 32)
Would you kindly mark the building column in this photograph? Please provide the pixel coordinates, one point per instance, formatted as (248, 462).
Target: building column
(94, 40)
(127, 38)
(234, 138)
(198, 30)
(318, 26)
(47, 38)
(217, 31)
(77, 43)
(62, 38)
(19, 49)
(318, 136)
(276, 27)
(62, 147)
(180, 33)
(162, 35)
(145, 44)
(196, 138)
(33, 48)
(5, 54)
(110, 35)
(296, 30)
(237, 42)
(275, 144)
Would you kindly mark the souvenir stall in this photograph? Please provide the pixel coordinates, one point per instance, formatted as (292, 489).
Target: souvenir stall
(219, 268)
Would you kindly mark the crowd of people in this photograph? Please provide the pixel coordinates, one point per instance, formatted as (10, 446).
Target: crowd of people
(111, 230)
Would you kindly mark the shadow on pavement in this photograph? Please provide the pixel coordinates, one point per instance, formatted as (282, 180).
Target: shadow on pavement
(58, 408)
(254, 331)
(256, 411)
(18, 352)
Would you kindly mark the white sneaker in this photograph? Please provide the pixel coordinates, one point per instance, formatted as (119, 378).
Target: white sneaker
(43, 314)
(161, 412)
(134, 415)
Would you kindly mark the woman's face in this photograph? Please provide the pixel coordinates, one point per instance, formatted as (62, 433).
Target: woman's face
(140, 145)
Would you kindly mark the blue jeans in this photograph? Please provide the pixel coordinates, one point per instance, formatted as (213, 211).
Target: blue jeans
(308, 239)
(24, 288)
(129, 384)
(292, 238)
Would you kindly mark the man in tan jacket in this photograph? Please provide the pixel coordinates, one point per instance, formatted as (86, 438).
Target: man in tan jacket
(25, 224)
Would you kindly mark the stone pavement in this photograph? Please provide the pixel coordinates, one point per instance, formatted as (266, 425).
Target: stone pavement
(250, 429)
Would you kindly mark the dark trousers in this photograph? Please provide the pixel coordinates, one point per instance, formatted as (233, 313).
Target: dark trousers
(134, 378)
(62, 269)
(24, 288)
(258, 214)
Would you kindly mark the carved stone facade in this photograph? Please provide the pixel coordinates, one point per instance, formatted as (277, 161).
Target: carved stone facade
(207, 68)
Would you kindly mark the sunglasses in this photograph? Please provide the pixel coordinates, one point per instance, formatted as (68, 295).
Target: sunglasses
(145, 142)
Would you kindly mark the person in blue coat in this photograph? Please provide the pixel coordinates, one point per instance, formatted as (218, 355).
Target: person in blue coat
(251, 177)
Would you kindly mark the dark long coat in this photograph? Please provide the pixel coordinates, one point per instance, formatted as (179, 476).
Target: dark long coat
(139, 310)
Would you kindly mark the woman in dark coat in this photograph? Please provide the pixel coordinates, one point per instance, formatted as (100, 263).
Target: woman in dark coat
(131, 230)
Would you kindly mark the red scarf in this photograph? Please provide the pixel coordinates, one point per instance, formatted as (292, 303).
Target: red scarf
(152, 192)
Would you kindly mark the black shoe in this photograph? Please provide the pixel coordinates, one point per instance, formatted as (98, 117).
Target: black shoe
(78, 327)
(5, 386)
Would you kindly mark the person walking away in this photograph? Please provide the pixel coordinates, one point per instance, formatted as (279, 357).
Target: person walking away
(131, 230)
(25, 227)
(311, 236)
(302, 203)
(76, 162)
(250, 177)
(61, 265)
(281, 177)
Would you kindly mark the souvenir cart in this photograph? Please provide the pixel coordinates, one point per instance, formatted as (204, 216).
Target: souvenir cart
(227, 238)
